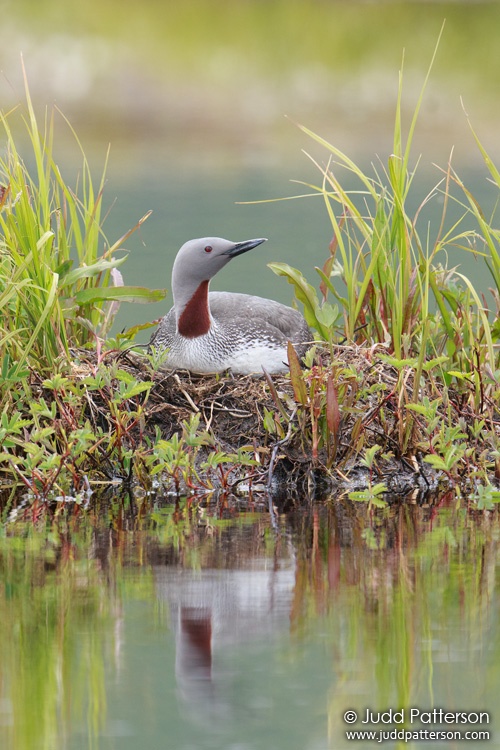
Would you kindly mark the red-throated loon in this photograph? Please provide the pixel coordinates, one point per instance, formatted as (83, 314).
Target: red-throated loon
(208, 332)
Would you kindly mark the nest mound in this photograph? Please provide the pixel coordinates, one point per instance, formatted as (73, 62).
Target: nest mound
(231, 407)
(348, 403)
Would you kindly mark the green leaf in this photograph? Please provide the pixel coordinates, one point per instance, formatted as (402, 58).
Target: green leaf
(328, 315)
(369, 457)
(86, 272)
(138, 294)
(305, 293)
(63, 269)
(44, 239)
(133, 389)
(328, 284)
(427, 366)
(436, 462)
(134, 330)
(398, 363)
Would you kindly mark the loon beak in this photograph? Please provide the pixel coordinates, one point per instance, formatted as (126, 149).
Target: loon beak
(242, 247)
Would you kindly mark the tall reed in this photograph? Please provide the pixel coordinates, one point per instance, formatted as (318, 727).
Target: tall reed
(59, 283)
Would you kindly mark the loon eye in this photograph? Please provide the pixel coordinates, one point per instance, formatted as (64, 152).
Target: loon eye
(208, 249)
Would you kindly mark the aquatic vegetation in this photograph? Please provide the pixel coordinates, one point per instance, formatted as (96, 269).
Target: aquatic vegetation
(423, 320)
(59, 279)
(401, 386)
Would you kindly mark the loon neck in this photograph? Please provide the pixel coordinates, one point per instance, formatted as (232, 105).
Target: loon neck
(194, 320)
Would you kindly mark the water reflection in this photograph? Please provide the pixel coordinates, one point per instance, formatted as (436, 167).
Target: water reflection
(216, 632)
(212, 610)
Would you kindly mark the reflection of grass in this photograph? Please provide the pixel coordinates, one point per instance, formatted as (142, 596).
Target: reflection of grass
(51, 655)
(61, 610)
(59, 615)
(404, 614)
(395, 597)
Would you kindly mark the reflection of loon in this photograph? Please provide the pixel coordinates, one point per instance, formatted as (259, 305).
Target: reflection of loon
(213, 610)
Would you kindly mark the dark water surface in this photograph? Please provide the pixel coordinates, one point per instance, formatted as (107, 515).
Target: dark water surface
(205, 628)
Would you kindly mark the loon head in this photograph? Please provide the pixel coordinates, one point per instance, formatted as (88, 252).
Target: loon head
(196, 263)
(199, 260)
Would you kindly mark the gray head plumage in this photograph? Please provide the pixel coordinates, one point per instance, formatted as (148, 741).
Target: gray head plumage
(199, 260)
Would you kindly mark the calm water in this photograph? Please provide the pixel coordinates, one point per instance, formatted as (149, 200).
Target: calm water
(206, 629)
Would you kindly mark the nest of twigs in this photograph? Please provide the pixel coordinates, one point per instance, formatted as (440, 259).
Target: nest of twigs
(233, 409)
